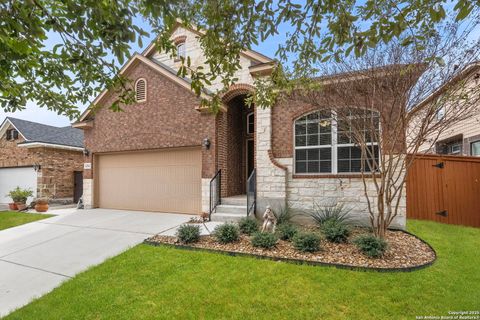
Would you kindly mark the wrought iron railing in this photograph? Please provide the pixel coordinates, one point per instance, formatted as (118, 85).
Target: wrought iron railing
(215, 192)
(252, 193)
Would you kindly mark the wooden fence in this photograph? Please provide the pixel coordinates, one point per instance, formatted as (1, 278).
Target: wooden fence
(444, 189)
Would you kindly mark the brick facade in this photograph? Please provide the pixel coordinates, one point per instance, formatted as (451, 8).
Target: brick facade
(167, 119)
(277, 183)
(232, 151)
(287, 110)
(57, 166)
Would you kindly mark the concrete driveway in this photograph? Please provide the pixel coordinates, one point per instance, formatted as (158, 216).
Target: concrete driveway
(37, 257)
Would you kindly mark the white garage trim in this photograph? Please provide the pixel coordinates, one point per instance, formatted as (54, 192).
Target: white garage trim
(48, 145)
(167, 180)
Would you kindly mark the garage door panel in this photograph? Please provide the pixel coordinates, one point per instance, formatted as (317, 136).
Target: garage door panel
(168, 181)
(10, 178)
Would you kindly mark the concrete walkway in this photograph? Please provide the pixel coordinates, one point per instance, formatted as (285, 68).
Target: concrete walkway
(37, 257)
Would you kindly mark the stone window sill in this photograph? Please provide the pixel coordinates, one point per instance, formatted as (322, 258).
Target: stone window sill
(330, 176)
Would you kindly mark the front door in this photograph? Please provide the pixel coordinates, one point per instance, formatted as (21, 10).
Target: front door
(77, 185)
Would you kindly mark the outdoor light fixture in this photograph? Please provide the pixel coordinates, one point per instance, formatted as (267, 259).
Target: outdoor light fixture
(36, 167)
(86, 152)
(206, 143)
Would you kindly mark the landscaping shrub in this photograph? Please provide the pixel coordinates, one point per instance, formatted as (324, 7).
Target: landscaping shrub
(264, 240)
(335, 231)
(306, 242)
(371, 246)
(286, 231)
(337, 213)
(248, 226)
(285, 214)
(226, 233)
(188, 233)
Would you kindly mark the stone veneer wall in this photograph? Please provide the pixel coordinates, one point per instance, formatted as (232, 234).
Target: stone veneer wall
(55, 179)
(271, 179)
(304, 193)
(276, 184)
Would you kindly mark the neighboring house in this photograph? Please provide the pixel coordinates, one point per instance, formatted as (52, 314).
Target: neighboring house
(463, 137)
(161, 153)
(46, 159)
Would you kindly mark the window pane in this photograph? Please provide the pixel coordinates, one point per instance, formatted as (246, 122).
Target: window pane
(343, 166)
(476, 148)
(325, 127)
(349, 159)
(343, 153)
(313, 116)
(325, 166)
(371, 164)
(300, 128)
(326, 154)
(301, 154)
(325, 139)
(356, 166)
(312, 140)
(313, 166)
(300, 141)
(181, 50)
(313, 154)
(355, 152)
(315, 160)
(312, 128)
(251, 123)
(300, 167)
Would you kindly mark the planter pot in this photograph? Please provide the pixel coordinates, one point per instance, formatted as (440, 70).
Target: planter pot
(12, 206)
(41, 207)
(21, 206)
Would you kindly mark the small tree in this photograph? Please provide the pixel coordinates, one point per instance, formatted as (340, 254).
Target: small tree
(387, 102)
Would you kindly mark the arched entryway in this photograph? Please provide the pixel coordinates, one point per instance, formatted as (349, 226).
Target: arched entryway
(236, 141)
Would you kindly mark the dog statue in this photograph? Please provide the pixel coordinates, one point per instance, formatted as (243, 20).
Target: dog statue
(269, 220)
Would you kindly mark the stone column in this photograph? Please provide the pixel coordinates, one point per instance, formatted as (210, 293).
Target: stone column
(271, 177)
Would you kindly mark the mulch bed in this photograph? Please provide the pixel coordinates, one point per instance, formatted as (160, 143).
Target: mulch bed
(405, 252)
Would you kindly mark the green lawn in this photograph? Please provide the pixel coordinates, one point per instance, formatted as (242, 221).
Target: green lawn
(10, 219)
(158, 282)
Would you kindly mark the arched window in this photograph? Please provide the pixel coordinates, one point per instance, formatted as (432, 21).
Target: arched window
(325, 142)
(181, 50)
(141, 90)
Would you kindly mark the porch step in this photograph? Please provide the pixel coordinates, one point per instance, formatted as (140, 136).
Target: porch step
(235, 201)
(228, 217)
(232, 209)
(227, 208)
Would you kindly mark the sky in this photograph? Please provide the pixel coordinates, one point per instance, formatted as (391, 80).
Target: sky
(42, 115)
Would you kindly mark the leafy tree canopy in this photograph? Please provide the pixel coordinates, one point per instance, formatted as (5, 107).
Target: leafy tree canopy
(90, 32)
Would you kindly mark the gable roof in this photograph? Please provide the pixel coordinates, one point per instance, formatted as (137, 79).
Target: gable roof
(38, 133)
(460, 76)
(249, 53)
(155, 65)
(255, 56)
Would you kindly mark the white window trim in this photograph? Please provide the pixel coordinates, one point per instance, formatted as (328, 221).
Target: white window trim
(178, 56)
(471, 148)
(333, 146)
(146, 92)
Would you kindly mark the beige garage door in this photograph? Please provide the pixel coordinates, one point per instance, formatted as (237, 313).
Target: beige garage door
(166, 181)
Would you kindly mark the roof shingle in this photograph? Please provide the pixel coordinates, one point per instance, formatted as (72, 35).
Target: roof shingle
(37, 132)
